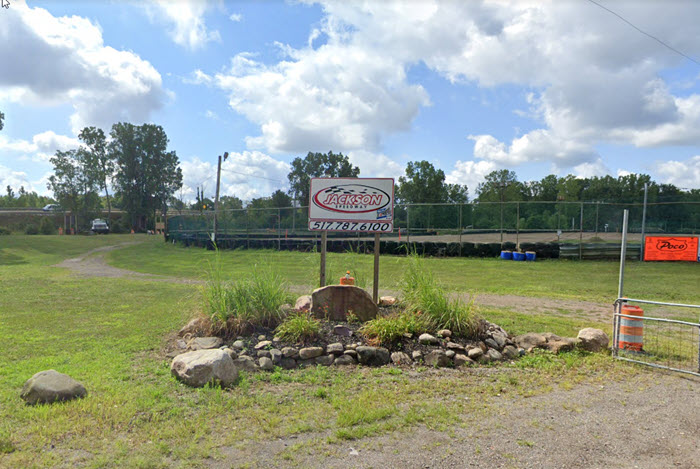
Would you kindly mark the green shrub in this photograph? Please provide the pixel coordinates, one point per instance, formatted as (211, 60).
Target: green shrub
(46, 227)
(4, 231)
(31, 229)
(298, 327)
(390, 329)
(235, 305)
(421, 294)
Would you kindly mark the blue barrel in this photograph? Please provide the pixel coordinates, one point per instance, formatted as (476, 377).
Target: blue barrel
(530, 256)
(518, 256)
(507, 255)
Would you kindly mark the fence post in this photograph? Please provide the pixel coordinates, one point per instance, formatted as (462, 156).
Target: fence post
(460, 229)
(580, 238)
(644, 219)
(279, 229)
(623, 253)
(408, 225)
(247, 228)
(501, 204)
(517, 226)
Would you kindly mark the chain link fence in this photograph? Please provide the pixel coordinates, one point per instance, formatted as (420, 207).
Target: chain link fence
(567, 223)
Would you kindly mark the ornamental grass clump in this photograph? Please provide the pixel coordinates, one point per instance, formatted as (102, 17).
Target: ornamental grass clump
(298, 328)
(422, 295)
(390, 329)
(236, 305)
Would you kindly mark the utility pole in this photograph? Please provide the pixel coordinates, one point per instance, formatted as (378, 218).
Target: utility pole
(216, 199)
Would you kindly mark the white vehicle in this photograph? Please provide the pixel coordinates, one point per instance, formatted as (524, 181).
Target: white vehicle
(99, 226)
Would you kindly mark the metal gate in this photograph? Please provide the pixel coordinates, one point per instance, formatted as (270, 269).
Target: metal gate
(671, 342)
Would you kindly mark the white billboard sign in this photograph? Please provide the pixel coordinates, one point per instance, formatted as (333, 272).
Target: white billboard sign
(352, 204)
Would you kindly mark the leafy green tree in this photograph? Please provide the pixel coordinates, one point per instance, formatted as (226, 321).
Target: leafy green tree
(317, 165)
(147, 174)
(422, 183)
(72, 185)
(230, 202)
(98, 162)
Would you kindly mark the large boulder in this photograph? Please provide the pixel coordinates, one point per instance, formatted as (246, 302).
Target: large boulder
(336, 301)
(556, 344)
(593, 340)
(50, 386)
(201, 367)
(437, 358)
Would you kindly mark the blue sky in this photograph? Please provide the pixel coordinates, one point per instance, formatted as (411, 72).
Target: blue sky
(537, 87)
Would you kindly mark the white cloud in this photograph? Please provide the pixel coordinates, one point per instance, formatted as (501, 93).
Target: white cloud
(246, 175)
(588, 77)
(42, 147)
(17, 179)
(375, 164)
(591, 169)
(236, 17)
(185, 18)
(59, 60)
(470, 173)
(684, 174)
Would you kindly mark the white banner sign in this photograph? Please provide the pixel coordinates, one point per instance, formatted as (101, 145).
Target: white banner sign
(352, 204)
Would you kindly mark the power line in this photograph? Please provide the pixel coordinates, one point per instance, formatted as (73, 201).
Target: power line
(646, 33)
(252, 175)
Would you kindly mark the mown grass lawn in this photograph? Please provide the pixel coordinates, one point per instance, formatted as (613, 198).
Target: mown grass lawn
(108, 333)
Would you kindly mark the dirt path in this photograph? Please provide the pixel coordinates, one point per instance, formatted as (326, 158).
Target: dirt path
(650, 421)
(93, 264)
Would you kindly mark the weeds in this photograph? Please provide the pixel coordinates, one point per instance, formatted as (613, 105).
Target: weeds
(421, 294)
(298, 327)
(390, 329)
(256, 300)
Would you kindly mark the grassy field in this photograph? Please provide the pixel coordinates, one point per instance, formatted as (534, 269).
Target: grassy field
(589, 280)
(108, 333)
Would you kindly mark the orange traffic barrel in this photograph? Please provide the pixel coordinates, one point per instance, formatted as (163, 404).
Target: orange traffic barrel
(631, 328)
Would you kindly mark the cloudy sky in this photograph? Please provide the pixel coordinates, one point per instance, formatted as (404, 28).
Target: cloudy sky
(534, 86)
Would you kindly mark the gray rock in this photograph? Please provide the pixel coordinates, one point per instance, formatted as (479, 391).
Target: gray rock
(475, 353)
(231, 353)
(197, 327)
(455, 346)
(290, 352)
(276, 339)
(450, 354)
(266, 364)
(303, 303)
(531, 340)
(264, 353)
(558, 344)
(352, 346)
(335, 301)
(593, 340)
(336, 348)
(461, 359)
(491, 343)
(427, 339)
(387, 301)
(416, 355)
(310, 352)
(262, 337)
(352, 353)
(373, 356)
(205, 343)
(437, 358)
(401, 358)
(306, 363)
(510, 352)
(245, 362)
(500, 339)
(325, 360)
(50, 386)
(288, 363)
(201, 367)
(262, 344)
(343, 331)
(276, 356)
(344, 359)
(444, 333)
(494, 355)
(238, 345)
